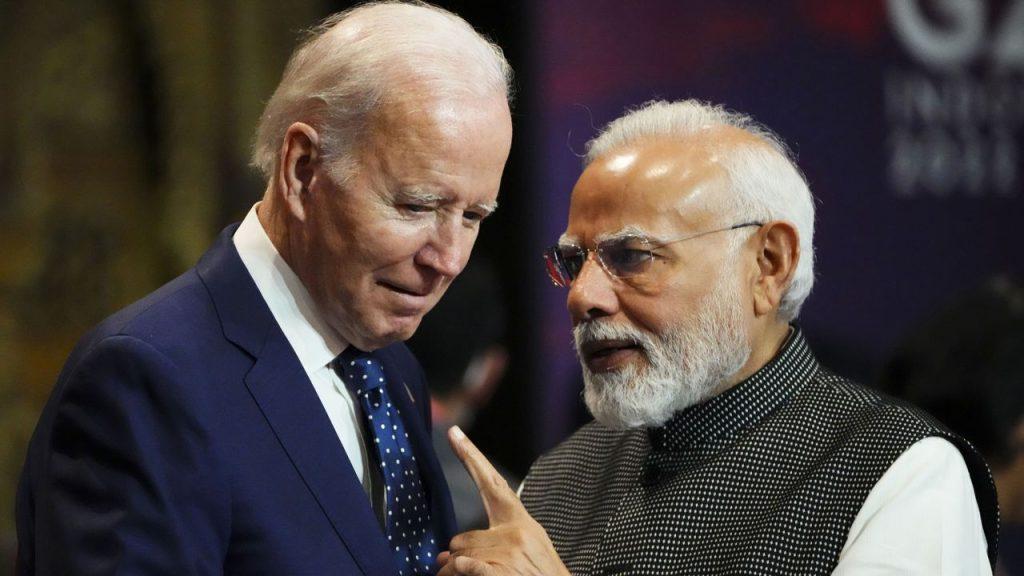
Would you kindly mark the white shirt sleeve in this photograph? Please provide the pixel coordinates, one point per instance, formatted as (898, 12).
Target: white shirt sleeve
(921, 518)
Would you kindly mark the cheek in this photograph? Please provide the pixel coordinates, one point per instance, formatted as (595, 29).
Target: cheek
(392, 242)
(646, 311)
(660, 310)
(466, 242)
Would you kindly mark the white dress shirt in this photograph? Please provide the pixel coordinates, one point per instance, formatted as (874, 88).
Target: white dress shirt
(315, 344)
(921, 518)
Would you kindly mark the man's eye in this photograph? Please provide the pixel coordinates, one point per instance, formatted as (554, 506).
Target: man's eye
(474, 216)
(630, 255)
(415, 208)
(625, 260)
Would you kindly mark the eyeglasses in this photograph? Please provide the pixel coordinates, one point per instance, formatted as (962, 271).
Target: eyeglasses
(621, 257)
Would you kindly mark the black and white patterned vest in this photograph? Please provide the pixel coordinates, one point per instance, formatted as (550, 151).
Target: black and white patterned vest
(765, 478)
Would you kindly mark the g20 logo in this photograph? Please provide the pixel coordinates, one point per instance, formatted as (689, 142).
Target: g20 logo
(963, 33)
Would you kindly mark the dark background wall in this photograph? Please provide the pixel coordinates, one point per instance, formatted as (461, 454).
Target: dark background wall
(125, 126)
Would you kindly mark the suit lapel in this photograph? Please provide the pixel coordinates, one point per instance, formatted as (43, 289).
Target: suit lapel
(291, 406)
(293, 410)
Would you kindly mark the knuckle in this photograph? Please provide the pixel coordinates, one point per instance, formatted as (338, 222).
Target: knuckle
(519, 535)
(463, 564)
(497, 482)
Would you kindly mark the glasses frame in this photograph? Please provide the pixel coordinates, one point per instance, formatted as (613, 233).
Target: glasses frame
(559, 272)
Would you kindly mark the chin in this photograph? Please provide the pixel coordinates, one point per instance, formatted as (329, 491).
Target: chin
(372, 329)
(371, 342)
(398, 330)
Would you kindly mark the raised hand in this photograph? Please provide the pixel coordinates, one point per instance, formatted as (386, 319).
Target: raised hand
(513, 544)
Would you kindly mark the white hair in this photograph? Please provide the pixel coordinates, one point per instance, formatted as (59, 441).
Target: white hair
(765, 182)
(358, 60)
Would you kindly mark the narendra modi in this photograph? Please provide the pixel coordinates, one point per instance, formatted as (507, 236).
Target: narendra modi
(720, 444)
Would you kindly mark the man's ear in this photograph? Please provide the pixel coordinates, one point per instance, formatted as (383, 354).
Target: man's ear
(300, 153)
(778, 245)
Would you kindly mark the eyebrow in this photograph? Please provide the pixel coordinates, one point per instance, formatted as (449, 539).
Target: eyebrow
(566, 240)
(423, 197)
(487, 207)
(624, 232)
(418, 195)
(627, 232)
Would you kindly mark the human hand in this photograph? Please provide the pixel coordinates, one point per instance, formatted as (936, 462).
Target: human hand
(513, 544)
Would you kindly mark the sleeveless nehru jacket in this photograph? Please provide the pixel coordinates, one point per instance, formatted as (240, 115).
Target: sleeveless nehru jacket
(765, 478)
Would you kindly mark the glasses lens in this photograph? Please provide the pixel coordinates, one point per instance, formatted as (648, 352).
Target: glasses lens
(556, 268)
(625, 257)
(572, 259)
(555, 272)
(563, 264)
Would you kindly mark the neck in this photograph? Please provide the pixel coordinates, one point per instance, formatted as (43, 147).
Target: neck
(274, 223)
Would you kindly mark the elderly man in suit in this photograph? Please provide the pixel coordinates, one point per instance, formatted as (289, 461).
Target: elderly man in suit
(258, 415)
(721, 445)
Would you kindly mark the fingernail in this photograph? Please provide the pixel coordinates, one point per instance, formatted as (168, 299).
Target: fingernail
(458, 433)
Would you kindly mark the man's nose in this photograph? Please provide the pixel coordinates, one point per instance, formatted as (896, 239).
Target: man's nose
(592, 294)
(448, 250)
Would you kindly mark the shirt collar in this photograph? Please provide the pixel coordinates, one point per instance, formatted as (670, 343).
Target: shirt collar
(744, 404)
(314, 342)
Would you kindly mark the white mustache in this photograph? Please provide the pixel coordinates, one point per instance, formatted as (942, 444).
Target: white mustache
(595, 330)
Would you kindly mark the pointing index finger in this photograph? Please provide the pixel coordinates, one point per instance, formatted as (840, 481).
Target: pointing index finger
(499, 500)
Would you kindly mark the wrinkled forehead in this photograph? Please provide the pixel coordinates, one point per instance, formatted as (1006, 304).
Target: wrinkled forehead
(657, 188)
(435, 117)
(420, 141)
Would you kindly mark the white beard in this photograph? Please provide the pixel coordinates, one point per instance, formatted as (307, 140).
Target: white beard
(684, 367)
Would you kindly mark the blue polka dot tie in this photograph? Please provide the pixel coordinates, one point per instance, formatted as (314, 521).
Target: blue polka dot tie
(407, 521)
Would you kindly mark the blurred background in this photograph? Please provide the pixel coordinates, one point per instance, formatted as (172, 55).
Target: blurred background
(125, 129)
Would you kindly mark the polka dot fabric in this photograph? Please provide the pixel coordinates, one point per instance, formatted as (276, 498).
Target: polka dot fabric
(765, 478)
(407, 521)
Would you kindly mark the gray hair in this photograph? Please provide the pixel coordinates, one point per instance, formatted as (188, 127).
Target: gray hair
(357, 60)
(765, 181)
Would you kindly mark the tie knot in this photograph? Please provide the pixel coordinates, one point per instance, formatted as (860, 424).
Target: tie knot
(361, 371)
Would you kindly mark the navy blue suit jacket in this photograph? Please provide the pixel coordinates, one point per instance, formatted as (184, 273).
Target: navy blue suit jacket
(184, 437)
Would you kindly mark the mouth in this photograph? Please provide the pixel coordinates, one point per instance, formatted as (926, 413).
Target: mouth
(405, 290)
(605, 355)
(407, 301)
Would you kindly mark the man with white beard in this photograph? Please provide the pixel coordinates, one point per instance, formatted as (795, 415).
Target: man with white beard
(720, 445)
